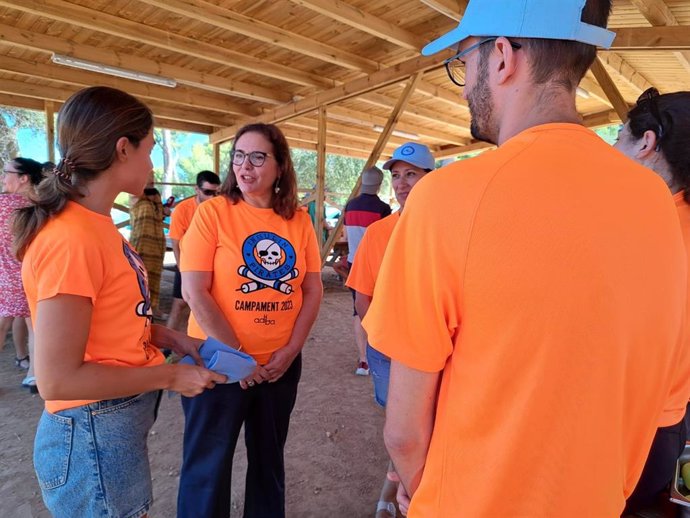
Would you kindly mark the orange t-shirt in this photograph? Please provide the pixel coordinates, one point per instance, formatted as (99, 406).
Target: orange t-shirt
(547, 281)
(369, 255)
(680, 392)
(258, 260)
(181, 218)
(80, 252)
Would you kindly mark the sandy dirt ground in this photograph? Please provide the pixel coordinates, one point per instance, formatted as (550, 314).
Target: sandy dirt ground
(334, 455)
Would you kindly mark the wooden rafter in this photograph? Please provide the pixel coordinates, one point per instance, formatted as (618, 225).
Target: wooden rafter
(352, 89)
(253, 28)
(49, 44)
(181, 95)
(108, 24)
(659, 14)
(363, 21)
(652, 38)
(611, 90)
(453, 9)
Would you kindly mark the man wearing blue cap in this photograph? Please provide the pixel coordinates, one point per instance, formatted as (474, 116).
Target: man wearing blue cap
(538, 316)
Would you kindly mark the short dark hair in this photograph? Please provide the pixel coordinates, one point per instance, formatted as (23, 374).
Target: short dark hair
(208, 177)
(674, 111)
(562, 61)
(29, 167)
(285, 201)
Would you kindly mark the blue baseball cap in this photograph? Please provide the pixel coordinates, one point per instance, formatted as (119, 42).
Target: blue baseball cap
(412, 153)
(549, 19)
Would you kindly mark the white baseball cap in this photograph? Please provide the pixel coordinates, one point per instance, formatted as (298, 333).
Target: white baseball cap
(548, 19)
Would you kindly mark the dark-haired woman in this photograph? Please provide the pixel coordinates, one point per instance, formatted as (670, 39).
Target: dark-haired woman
(251, 274)
(19, 177)
(657, 135)
(97, 360)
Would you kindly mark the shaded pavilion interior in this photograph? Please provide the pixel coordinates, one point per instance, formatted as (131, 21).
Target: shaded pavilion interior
(339, 76)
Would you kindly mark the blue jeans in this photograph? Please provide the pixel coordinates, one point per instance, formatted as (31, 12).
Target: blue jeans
(380, 370)
(92, 460)
(213, 420)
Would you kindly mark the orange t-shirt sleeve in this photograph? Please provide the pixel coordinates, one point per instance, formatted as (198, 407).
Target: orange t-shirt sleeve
(361, 277)
(412, 316)
(67, 267)
(178, 220)
(199, 243)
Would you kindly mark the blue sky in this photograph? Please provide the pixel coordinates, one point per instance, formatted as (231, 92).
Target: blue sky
(33, 145)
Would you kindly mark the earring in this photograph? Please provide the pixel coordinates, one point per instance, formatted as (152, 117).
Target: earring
(276, 188)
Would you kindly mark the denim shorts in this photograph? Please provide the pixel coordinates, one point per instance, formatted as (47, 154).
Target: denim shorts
(380, 370)
(92, 461)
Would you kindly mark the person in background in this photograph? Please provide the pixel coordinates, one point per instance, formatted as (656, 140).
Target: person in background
(148, 237)
(657, 135)
(409, 164)
(251, 273)
(97, 357)
(207, 186)
(360, 212)
(530, 299)
(20, 176)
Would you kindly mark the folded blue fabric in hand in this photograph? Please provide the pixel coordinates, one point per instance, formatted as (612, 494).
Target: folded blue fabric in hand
(223, 359)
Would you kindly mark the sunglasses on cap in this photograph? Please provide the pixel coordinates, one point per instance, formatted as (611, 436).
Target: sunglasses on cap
(648, 101)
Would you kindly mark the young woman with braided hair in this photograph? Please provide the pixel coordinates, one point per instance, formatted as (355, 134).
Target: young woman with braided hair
(98, 363)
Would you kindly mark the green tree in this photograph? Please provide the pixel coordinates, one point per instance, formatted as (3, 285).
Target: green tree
(11, 121)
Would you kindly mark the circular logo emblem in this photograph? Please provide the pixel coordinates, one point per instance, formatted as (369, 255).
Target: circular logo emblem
(407, 151)
(268, 256)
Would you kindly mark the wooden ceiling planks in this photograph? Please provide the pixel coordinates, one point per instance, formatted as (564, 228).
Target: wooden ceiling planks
(238, 60)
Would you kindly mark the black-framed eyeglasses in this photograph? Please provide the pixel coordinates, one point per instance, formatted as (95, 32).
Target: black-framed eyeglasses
(256, 158)
(8, 171)
(212, 192)
(648, 100)
(455, 65)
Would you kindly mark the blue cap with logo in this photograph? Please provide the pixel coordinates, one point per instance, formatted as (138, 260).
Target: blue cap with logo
(548, 19)
(412, 153)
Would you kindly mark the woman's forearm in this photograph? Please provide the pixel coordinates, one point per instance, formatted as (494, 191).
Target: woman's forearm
(210, 318)
(99, 381)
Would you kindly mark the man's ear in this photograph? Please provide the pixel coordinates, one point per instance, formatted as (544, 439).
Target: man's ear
(646, 145)
(122, 148)
(507, 63)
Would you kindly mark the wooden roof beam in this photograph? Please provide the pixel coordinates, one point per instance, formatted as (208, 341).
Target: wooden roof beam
(19, 90)
(453, 9)
(658, 14)
(652, 38)
(623, 70)
(369, 121)
(460, 125)
(348, 90)
(91, 19)
(45, 43)
(183, 126)
(604, 79)
(363, 21)
(229, 20)
(182, 95)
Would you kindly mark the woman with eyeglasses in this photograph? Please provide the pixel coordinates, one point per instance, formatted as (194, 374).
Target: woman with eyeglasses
(251, 273)
(657, 135)
(20, 176)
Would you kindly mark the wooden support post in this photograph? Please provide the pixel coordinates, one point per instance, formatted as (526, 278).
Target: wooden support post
(320, 177)
(610, 89)
(216, 158)
(50, 129)
(374, 156)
